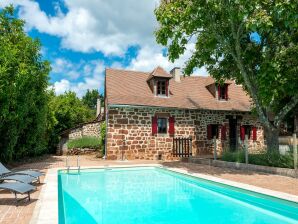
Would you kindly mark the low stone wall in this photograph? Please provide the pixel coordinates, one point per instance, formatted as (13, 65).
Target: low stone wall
(88, 129)
(79, 151)
(91, 129)
(243, 166)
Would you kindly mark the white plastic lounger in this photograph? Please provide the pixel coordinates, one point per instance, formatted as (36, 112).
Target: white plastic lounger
(19, 188)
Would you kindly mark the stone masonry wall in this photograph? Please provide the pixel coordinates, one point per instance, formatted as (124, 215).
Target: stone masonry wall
(89, 129)
(129, 132)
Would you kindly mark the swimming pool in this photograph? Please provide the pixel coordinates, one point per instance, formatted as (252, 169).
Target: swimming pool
(147, 195)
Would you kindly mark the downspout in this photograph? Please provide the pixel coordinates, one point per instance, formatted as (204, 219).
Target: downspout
(106, 143)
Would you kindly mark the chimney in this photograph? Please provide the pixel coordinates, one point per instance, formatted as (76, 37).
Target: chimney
(176, 73)
(98, 107)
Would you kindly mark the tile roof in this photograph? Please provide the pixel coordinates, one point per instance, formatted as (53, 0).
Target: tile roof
(131, 88)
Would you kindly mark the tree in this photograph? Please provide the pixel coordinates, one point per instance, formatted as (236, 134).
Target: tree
(253, 42)
(90, 98)
(67, 110)
(23, 90)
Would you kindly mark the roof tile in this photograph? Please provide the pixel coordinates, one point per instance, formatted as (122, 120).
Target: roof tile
(130, 88)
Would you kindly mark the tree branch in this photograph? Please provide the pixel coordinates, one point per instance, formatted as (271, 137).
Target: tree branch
(281, 115)
(251, 89)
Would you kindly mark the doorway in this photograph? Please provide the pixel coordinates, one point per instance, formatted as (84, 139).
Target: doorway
(233, 133)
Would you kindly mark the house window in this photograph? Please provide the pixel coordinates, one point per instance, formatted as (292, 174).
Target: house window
(222, 92)
(162, 125)
(245, 130)
(162, 88)
(212, 130)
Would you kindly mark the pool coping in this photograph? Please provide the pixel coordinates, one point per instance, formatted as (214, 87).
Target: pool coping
(46, 209)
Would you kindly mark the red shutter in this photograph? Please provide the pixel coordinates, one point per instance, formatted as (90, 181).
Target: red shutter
(209, 131)
(218, 91)
(171, 125)
(167, 87)
(154, 125)
(156, 88)
(254, 133)
(242, 133)
(223, 132)
(226, 93)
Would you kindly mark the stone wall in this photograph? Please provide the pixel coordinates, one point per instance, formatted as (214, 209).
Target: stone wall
(88, 129)
(129, 132)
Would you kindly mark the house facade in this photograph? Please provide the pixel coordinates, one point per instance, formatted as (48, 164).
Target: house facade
(146, 111)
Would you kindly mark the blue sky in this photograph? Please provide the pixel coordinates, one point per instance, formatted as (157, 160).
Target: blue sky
(82, 37)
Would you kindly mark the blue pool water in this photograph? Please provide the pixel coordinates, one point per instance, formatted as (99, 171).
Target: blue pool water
(155, 195)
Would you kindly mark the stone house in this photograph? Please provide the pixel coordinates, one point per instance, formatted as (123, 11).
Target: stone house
(145, 112)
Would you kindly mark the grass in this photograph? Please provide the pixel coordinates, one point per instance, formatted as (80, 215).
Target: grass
(274, 159)
(85, 142)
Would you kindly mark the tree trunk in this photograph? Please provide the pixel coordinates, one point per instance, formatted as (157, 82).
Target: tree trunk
(272, 139)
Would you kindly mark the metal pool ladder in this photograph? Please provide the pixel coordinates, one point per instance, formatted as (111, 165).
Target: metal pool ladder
(78, 167)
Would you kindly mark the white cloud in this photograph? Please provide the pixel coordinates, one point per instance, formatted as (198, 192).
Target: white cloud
(94, 25)
(148, 58)
(103, 26)
(61, 86)
(91, 73)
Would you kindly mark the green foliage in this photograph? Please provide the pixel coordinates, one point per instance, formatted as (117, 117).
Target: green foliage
(67, 110)
(223, 35)
(270, 158)
(32, 117)
(85, 142)
(237, 156)
(103, 135)
(90, 98)
(23, 91)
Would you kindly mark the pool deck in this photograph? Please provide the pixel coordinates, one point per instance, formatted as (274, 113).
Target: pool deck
(43, 205)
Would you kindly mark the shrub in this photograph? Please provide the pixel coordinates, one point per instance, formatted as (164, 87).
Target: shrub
(102, 136)
(85, 142)
(237, 156)
(269, 158)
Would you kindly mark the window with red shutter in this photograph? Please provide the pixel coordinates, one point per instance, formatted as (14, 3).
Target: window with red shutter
(171, 125)
(223, 132)
(226, 94)
(212, 130)
(254, 133)
(167, 88)
(209, 131)
(242, 132)
(154, 125)
(222, 92)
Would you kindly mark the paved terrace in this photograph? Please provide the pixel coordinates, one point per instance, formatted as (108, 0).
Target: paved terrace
(21, 214)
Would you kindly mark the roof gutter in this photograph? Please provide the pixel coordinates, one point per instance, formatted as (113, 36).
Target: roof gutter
(173, 108)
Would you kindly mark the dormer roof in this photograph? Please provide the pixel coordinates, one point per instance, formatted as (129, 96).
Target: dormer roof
(159, 72)
(209, 81)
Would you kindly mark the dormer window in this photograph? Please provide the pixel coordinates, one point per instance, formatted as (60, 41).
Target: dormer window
(222, 92)
(158, 81)
(162, 87)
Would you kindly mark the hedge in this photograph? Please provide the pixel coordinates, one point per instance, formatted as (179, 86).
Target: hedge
(85, 142)
(269, 158)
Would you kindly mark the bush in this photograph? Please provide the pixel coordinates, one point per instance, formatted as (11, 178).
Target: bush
(85, 142)
(102, 136)
(269, 158)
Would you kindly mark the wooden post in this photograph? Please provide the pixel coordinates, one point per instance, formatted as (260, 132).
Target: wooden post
(295, 150)
(246, 148)
(215, 153)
